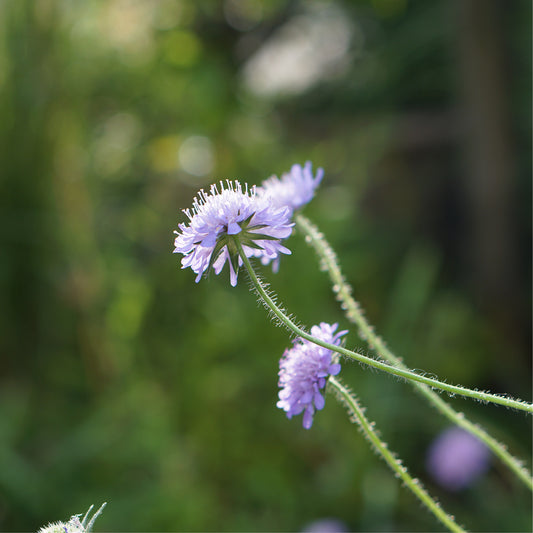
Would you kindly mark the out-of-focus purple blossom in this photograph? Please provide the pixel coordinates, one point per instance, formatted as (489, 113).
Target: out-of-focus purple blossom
(294, 189)
(217, 218)
(326, 525)
(304, 370)
(456, 459)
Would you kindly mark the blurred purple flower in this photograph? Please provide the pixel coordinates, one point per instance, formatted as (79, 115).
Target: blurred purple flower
(295, 188)
(456, 459)
(326, 525)
(304, 370)
(217, 217)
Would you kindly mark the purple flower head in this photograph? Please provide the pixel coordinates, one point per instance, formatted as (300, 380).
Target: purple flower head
(304, 370)
(218, 218)
(456, 459)
(294, 189)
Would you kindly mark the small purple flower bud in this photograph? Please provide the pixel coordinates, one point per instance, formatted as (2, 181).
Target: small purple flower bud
(304, 370)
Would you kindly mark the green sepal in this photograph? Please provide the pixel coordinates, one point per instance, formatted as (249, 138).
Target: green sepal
(221, 242)
(245, 222)
(233, 253)
(260, 237)
(252, 244)
(246, 238)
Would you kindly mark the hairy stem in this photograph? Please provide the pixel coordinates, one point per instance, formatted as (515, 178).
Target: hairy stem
(369, 431)
(406, 374)
(355, 314)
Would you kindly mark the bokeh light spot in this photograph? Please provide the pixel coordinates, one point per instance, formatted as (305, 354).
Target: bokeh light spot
(163, 153)
(182, 48)
(243, 15)
(196, 155)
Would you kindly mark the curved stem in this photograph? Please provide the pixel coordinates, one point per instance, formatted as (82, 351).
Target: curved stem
(407, 374)
(355, 314)
(368, 428)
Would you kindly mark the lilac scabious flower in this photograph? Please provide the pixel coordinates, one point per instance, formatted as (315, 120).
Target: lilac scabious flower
(295, 188)
(218, 218)
(456, 459)
(304, 370)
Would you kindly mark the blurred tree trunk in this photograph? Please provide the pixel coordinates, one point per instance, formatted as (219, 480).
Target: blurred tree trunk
(490, 175)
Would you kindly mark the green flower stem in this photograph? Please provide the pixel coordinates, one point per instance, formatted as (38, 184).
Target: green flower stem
(355, 314)
(369, 431)
(406, 374)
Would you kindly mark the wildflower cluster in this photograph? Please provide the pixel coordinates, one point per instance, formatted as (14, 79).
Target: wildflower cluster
(231, 225)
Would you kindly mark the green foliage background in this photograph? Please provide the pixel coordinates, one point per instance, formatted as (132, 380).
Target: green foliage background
(123, 381)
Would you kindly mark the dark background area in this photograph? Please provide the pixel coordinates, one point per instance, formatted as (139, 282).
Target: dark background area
(121, 380)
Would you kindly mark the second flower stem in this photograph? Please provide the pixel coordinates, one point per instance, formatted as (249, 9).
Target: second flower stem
(369, 431)
(406, 374)
(355, 314)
